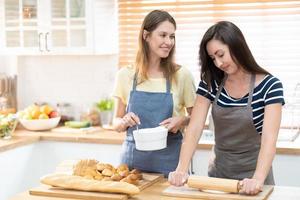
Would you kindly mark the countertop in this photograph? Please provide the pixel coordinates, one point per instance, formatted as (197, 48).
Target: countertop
(154, 192)
(104, 136)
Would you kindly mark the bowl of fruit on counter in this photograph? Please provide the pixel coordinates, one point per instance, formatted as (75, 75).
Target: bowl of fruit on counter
(39, 118)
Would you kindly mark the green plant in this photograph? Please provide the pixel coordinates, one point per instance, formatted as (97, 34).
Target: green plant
(7, 125)
(105, 104)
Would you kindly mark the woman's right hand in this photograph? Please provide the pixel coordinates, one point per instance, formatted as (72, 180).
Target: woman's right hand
(130, 119)
(178, 178)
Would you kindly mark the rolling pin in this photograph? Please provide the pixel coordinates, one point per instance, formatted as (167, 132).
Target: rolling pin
(219, 184)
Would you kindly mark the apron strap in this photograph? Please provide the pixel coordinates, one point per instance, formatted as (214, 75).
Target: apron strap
(134, 84)
(168, 85)
(220, 89)
(251, 89)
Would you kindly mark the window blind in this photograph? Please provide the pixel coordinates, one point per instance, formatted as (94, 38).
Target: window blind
(271, 29)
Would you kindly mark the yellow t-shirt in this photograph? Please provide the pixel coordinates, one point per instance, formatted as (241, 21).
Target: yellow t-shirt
(184, 91)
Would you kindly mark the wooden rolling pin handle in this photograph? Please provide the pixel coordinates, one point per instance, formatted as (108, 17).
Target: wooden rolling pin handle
(239, 186)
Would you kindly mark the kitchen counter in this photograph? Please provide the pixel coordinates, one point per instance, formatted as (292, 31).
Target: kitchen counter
(154, 192)
(103, 136)
(30, 147)
(18, 141)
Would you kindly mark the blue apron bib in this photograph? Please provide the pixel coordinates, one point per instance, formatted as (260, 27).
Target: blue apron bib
(151, 108)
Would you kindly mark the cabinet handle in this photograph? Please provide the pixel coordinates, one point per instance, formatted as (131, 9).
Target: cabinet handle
(40, 48)
(46, 41)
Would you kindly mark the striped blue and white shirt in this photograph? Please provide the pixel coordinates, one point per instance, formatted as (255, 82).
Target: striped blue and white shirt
(269, 91)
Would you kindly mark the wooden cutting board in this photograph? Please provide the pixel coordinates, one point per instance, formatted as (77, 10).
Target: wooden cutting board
(64, 129)
(188, 192)
(44, 190)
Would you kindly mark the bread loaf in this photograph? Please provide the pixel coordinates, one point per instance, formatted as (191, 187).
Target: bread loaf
(80, 183)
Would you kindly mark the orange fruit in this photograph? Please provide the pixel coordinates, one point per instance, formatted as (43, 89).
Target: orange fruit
(46, 109)
(35, 113)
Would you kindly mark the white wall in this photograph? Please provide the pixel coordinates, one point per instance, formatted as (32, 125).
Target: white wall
(8, 64)
(79, 80)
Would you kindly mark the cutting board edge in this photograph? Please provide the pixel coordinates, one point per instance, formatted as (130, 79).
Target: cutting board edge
(76, 196)
(159, 177)
(210, 196)
(269, 193)
(64, 129)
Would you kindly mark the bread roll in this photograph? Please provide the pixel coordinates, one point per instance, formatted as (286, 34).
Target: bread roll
(107, 172)
(80, 183)
(116, 177)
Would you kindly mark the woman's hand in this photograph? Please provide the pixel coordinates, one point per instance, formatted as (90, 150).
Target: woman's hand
(130, 120)
(251, 186)
(177, 178)
(173, 124)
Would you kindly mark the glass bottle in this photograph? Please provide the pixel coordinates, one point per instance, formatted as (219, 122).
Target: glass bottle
(66, 112)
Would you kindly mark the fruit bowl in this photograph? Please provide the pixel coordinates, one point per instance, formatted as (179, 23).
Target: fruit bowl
(40, 124)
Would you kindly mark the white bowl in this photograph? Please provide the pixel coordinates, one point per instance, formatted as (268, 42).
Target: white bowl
(40, 124)
(150, 139)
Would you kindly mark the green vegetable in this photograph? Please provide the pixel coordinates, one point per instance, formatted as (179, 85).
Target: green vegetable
(7, 124)
(105, 104)
(78, 124)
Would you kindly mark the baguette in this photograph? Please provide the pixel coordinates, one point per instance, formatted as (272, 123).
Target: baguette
(80, 183)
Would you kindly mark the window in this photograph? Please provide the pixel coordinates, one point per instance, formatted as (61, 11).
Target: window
(271, 29)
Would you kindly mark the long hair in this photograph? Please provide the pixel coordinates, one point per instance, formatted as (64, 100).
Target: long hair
(150, 23)
(230, 35)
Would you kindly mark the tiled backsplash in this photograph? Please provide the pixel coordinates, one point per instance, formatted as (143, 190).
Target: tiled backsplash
(79, 80)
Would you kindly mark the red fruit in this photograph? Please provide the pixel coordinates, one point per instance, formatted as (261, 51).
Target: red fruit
(53, 114)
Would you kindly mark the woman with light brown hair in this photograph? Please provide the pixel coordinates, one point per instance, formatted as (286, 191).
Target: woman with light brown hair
(159, 93)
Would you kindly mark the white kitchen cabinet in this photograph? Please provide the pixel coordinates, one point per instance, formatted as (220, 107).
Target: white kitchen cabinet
(18, 170)
(37, 27)
(22, 167)
(58, 27)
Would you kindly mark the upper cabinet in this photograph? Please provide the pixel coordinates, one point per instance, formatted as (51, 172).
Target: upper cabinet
(35, 27)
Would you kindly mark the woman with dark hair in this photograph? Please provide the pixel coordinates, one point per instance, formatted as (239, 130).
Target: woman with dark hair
(246, 109)
(159, 92)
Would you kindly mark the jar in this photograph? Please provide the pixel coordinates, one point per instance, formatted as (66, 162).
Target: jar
(5, 107)
(90, 114)
(66, 112)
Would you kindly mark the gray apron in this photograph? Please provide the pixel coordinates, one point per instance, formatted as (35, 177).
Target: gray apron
(237, 142)
(151, 108)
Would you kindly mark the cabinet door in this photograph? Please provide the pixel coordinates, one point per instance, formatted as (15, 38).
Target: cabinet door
(68, 27)
(20, 26)
(45, 27)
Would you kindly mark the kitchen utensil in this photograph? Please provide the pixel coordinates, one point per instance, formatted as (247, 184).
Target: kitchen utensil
(5, 85)
(1, 85)
(187, 192)
(88, 130)
(149, 139)
(72, 194)
(219, 184)
(148, 180)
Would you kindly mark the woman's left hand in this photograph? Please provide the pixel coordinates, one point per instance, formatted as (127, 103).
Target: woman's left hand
(173, 124)
(251, 186)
